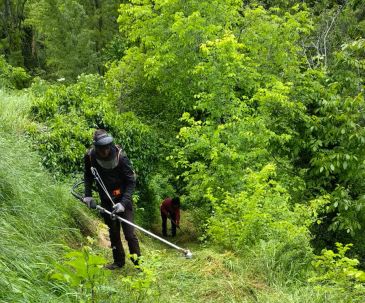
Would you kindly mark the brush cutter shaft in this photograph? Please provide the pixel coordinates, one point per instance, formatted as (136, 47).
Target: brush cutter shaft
(100, 181)
(101, 209)
(78, 196)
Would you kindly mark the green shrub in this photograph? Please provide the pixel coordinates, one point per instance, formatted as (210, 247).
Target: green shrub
(65, 118)
(337, 277)
(12, 77)
(141, 288)
(83, 270)
(260, 218)
(68, 115)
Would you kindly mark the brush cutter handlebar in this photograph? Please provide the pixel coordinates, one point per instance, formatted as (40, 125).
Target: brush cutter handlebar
(77, 195)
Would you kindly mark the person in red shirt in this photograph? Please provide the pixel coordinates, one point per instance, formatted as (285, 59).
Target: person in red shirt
(170, 208)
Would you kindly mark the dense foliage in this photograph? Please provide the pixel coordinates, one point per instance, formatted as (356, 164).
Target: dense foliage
(254, 98)
(59, 39)
(65, 119)
(12, 77)
(251, 111)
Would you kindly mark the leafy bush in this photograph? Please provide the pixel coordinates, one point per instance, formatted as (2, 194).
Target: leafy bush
(66, 117)
(12, 77)
(258, 103)
(69, 115)
(327, 147)
(337, 276)
(84, 271)
(140, 288)
(260, 216)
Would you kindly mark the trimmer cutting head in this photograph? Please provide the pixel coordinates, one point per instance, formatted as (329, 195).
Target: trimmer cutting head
(188, 254)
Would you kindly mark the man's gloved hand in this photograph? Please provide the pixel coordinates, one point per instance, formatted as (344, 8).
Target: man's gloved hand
(118, 208)
(90, 202)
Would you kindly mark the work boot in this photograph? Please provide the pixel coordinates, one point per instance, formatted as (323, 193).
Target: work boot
(136, 260)
(137, 264)
(114, 265)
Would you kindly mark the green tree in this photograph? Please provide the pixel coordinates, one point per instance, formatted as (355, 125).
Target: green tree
(238, 93)
(70, 35)
(15, 36)
(156, 74)
(62, 25)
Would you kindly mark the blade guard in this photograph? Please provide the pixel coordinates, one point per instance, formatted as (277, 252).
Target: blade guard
(188, 254)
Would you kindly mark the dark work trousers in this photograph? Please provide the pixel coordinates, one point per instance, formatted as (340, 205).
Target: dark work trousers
(115, 240)
(164, 224)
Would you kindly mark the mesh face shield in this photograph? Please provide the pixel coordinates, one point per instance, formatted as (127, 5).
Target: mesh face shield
(106, 156)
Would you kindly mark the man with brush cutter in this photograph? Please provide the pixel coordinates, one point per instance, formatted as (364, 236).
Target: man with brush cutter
(112, 166)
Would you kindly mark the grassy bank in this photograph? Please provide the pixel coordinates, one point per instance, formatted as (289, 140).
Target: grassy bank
(37, 216)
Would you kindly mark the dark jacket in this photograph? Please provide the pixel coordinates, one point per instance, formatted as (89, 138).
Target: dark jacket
(119, 181)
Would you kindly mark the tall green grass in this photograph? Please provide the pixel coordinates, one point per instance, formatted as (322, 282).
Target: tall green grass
(38, 218)
(13, 109)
